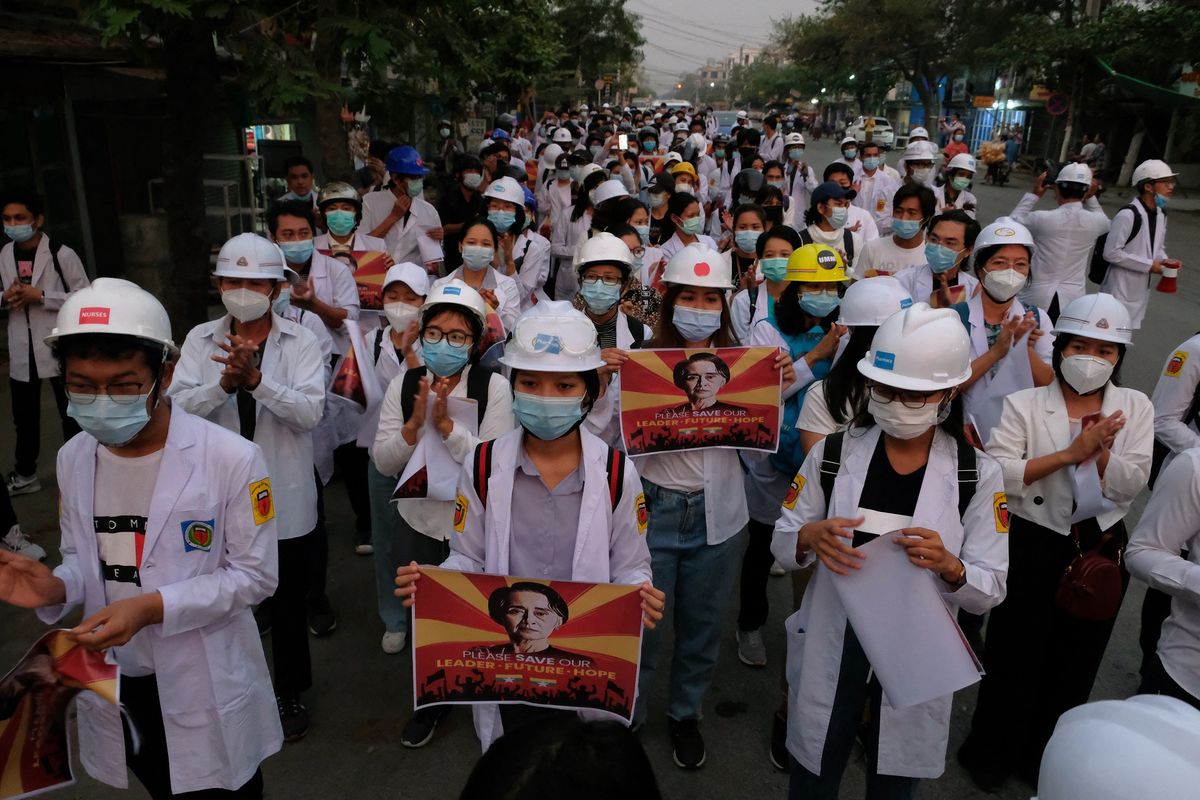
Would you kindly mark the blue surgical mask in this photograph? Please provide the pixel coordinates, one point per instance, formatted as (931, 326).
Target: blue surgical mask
(644, 232)
(850, 153)
(340, 222)
(776, 184)
(112, 423)
(297, 252)
(416, 187)
(940, 258)
(598, 295)
(471, 180)
(773, 269)
(547, 418)
(1160, 201)
(819, 304)
(649, 145)
(693, 226)
(595, 150)
(718, 153)
(636, 266)
(562, 174)
(503, 220)
(696, 324)
(746, 240)
(838, 216)
(871, 162)
(281, 304)
(906, 228)
(796, 153)
(477, 257)
(656, 200)
(19, 233)
(444, 359)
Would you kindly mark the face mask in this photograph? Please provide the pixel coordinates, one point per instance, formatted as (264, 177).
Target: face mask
(940, 258)
(871, 163)
(444, 359)
(547, 418)
(415, 187)
(472, 180)
(1003, 284)
(648, 145)
(796, 153)
(850, 153)
(340, 222)
(1085, 374)
(901, 422)
(960, 183)
(656, 200)
(477, 257)
(599, 296)
(776, 184)
(773, 269)
(819, 304)
(838, 216)
(1160, 201)
(400, 315)
(693, 226)
(643, 232)
(444, 133)
(906, 228)
(112, 423)
(19, 233)
(718, 153)
(245, 304)
(958, 137)
(686, 188)
(594, 150)
(297, 252)
(503, 220)
(281, 304)
(695, 324)
(746, 240)
(921, 175)
(561, 174)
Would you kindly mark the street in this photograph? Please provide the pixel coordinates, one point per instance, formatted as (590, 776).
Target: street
(362, 697)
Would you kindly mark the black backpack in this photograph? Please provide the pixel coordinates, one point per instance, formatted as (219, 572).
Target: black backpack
(54, 248)
(614, 467)
(478, 378)
(847, 242)
(1098, 267)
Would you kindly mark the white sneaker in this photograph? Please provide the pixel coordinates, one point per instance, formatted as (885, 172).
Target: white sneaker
(393, 642)
(16, 541)
(22, 484)
(777, 570)
(752, 650)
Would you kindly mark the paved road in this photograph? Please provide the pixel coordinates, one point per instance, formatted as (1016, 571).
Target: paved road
(362, 696)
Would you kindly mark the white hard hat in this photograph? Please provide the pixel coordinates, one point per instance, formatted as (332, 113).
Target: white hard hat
(793, 138)
(588, 169)
(249, 255)
(583, 107)
(680, 127)
(408, 273)
(1075, 173)
(698, 265)
(671, 158)
(871, 301)
(918, 151)
(115, 307)
(604, 248)
(918, 131)
(962, 161)
(1152, 170)
(848, 140)
(695, 145)
(458, 293)
(611, 188)
(1145, 746)
(1005, 230)
(1096, 316)
(553, 336)
(920, 348)
(506, 189)
(561, 135)
(550, 154)
(742, 115)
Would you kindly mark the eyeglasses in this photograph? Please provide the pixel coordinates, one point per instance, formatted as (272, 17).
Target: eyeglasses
(125, 393)
(607, 280)
(886, 394)
(1022, 264)
(455, 338)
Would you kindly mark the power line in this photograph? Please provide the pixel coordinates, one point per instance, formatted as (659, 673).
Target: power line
(683, 34)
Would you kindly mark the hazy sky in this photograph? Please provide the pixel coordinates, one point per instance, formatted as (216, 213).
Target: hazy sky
(682, 34)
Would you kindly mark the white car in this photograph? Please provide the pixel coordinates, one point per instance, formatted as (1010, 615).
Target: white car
(883, 132)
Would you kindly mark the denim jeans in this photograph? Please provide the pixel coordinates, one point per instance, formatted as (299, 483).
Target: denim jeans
(698, 580)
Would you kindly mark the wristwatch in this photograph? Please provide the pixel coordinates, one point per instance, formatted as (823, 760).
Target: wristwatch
(960, 579)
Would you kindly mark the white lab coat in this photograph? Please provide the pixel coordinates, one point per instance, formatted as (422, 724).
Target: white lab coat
(771, 147)
(39, 319)
(604, 420)
(219, 709)
(535, 268)
(675, 244)
(1173, 394)
(961, 202)
(799, 179)
(609, 545)
(875, 197)
(360, 242)
(333, 283)
(401, 238)
(912, 741)
(1035, 423)
(1064, 237)
(1171, 523)
(1128, 275)
(739, 310)
(289, 402)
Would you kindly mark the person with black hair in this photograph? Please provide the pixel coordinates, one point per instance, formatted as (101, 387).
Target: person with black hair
(772, 250)
(903, 246)
(771, 146)
(461, 203)
(943, 279)
(771, 200)
(36, 278)
(401, 214)
(877, 188)
(859, 220)
(372, 175)
(298, 173)
(686, 219)
(827, 221)
(749, 224)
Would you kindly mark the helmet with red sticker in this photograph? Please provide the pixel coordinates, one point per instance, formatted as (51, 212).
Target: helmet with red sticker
(699, 265)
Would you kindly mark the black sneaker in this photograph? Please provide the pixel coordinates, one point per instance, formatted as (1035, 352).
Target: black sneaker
(988, 777)
(418, 731)
(687, 745)
(293, 716)
(322, 619)
(779, 751)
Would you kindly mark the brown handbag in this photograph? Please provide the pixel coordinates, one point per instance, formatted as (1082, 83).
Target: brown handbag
(1091, 587)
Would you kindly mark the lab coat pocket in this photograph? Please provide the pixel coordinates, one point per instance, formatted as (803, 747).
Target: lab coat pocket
(795, 649)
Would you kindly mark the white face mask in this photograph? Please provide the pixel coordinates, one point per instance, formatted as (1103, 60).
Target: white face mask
(921, 175)
(1086, 374)
(399, 315)
(1003, 284)
(246, 304)
(901, 422)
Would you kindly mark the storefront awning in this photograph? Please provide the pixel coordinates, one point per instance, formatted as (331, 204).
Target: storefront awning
(1159, 95)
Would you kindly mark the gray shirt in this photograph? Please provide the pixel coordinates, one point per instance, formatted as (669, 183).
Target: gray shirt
(544, 522)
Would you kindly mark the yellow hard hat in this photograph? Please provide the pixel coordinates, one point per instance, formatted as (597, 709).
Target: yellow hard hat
(684, 167)
(816, 263)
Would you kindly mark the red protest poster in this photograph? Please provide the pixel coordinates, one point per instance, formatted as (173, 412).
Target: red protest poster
(35, 746)
(496, 639)
(678, 399)
(369, 268)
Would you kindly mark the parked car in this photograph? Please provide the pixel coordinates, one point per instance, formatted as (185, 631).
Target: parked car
(726, 120)
(883, 132)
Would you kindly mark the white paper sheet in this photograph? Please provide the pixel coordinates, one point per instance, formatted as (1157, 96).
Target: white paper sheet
(1089, 496)
(431, 249)
(432, 454)
(908, 633)
(1012, 375)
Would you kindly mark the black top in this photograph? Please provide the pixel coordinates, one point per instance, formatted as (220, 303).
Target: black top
(887, 491)
(247, 405)
(455, 210)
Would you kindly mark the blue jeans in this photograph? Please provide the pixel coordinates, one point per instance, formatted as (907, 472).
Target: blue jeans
(386, 537)
(698, 580)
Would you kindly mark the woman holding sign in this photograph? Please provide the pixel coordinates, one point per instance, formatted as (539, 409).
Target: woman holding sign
(905, 467)
(520, 493)
(1075, 454)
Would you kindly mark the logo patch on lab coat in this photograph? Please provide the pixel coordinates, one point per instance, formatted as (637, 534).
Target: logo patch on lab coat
(793, 492)
(261, 501)
(1000, 509)
(643, 515)
(1175, 365)
(460, 513)
(197, 534)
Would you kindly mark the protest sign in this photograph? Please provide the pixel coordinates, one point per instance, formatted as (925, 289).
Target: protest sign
(369, 268)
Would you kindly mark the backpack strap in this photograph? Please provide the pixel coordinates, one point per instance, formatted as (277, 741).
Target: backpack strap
(1137, 224)
(54, 248)
(481, 473)
(968, 476)
(848, 241)
(754, 290)
(378, 345)
(805, 236)
(479, 379)
(831, 462)
(408, 390)
(615, 470)
(637, 332)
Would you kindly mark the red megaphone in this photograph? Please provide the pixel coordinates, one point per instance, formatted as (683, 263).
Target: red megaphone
(1170, 276)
